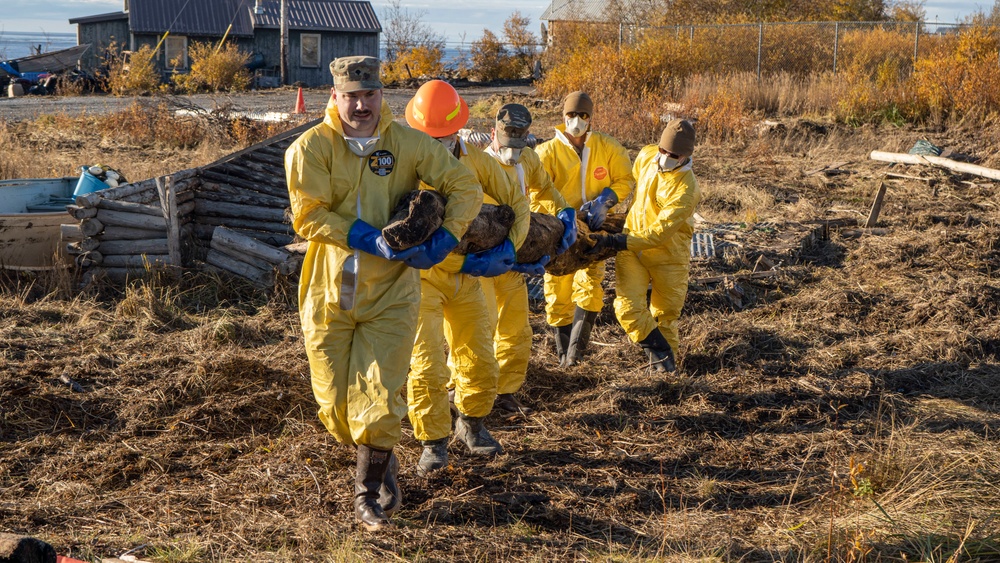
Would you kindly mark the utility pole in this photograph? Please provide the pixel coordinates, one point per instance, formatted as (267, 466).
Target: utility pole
(284, 42)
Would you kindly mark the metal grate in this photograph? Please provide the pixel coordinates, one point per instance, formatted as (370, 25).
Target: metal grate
(702, 246)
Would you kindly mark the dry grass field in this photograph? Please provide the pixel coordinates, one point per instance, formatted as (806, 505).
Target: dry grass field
(844, 410)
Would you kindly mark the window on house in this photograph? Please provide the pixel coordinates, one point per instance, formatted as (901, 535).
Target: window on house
(175, 51)
(309, 50)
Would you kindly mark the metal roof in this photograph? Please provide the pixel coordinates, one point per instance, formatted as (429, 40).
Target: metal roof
(595, 10)
(112, 16)
(333, 15)
(191, 17)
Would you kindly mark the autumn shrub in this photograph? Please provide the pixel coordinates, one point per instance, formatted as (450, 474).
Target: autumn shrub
(143, 124)
(420, 62)
(960, 78)
(215, 69)
(489, 57)
(137, 75)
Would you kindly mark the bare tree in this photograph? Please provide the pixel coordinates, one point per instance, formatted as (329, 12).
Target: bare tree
(405, 30)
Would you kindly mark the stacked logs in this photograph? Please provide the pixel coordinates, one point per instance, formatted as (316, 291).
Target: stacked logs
(124, 231)
(249, 258)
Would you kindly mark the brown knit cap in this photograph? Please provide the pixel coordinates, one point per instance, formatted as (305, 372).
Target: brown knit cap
(578, 102)
(678, 137)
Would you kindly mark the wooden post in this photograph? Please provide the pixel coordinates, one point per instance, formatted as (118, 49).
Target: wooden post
(168, 200)
(284, 42)
(876, 205)
(248, 246)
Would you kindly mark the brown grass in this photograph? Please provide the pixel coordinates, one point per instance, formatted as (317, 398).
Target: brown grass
(845, 411)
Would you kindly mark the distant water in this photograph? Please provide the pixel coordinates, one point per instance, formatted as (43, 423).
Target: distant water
(17, 44)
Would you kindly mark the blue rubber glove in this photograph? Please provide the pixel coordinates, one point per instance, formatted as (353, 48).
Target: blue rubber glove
(367, 238)
(490, 262)
(597, 210)
(533, 268)
(433, 250)
(568, 218)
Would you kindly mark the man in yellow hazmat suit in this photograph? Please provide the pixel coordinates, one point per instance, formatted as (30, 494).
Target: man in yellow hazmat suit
(452, 305)
(358, 299)
(508, 291)
(593, 172)
(656, 244)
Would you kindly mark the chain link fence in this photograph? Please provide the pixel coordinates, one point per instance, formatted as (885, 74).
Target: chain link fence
(796, 48)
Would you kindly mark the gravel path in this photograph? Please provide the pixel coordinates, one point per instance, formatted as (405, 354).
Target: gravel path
(281, 100)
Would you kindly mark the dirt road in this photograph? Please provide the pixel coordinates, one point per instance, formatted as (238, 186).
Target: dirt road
(282, 100)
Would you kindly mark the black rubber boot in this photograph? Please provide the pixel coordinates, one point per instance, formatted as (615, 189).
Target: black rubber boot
(579, 337)
(561, 334)
(434, 456)
(508, 403)
(372, 466)
(389, 496)
(476, 437)
(661, 357)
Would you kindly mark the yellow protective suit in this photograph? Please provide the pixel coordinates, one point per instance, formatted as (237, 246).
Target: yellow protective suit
(659, 226)
(579, 178)
(359, 357)
(512, 341)
(453, 309)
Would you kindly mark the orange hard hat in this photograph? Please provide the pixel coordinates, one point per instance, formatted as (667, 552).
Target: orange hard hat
(437, 109)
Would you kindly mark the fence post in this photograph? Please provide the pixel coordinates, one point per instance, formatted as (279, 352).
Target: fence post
(760, 48)
(836, 45)
(691, 37)
(916, 42)
(621, 34)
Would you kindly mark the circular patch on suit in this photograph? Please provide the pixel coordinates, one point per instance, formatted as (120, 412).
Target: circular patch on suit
(600, 173)
(381, 162)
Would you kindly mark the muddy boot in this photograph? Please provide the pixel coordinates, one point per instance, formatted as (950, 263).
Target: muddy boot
(508, 403)
(372, 466)
(661, 357)
(473, 434)
(434, 456)
(561, 334)
(579, 337)
(389, 496)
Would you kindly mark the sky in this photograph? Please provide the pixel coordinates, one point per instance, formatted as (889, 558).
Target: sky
(445, 18)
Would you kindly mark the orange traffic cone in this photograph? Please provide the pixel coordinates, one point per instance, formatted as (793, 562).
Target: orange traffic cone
(300, 103)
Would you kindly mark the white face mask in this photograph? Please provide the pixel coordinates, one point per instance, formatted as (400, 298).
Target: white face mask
(667, 163)
(362, 146)
(508, 155)
(449, 142)
(576, 126)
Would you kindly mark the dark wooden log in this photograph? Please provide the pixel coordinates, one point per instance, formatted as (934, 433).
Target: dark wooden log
(78, 212)
(237, 169)
(90, 200)
(112, 275)
(235, 254)
(70, 232)
(242, 269)
(185, 209)
(134, 220)
(260, 187)
(278, 172)
(141, 246)
(248, 245)
(204, 232)
(83, 246)
(91, 227)
(129, 207)
(223, 209)
(135, 260)
(234, 223)
(245, 197)
(89, 259)
(115, 232)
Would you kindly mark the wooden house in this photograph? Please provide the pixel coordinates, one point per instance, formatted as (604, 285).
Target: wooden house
(319, 31)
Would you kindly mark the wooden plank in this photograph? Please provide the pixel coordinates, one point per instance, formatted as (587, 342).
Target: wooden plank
(168, 199)
(876, 205)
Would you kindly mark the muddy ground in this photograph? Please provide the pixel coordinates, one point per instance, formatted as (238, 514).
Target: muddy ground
(845, 409)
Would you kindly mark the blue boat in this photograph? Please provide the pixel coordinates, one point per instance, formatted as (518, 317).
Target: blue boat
(31, 212)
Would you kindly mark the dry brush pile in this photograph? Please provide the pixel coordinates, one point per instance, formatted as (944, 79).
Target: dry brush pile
(844, 411)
